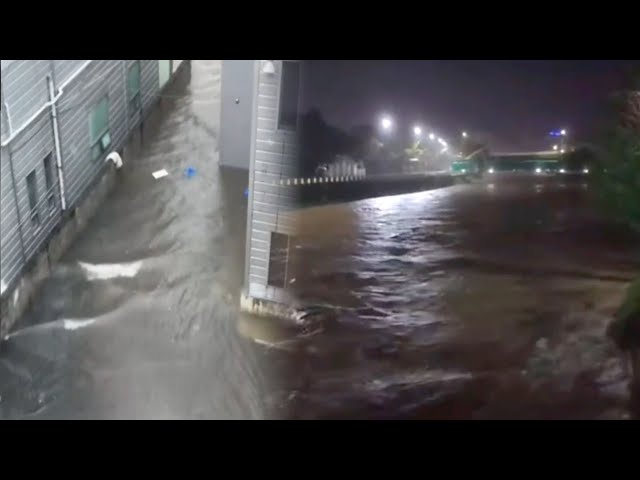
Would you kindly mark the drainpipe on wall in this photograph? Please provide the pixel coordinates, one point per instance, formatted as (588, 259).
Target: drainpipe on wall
(33, 117)
(56, 141)
(6, 115)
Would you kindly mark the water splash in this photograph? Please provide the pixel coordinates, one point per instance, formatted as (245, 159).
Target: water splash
(65, 324)
(76, 324)
(107, 271)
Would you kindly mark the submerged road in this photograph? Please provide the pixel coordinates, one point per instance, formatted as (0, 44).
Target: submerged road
(139, 319)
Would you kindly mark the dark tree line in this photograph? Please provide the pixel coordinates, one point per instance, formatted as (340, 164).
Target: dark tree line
(618, 185)
(321, 143)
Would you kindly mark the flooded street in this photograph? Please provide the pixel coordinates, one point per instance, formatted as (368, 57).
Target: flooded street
(477, 301)
(139, 318)
(486, 300)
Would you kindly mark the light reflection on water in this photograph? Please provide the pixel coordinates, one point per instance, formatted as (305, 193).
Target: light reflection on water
(444, 297)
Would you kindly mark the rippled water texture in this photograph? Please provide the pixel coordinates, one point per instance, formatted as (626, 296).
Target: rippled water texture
(478, 301)
(139, 318)
(487, 300)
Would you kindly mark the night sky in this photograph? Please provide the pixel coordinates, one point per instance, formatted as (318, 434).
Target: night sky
(512, 103)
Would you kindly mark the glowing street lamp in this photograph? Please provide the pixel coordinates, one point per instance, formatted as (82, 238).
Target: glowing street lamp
(417, 131)
(432, 136)
(386, 123)
(464, 135)
(555, 147)
(563, 132)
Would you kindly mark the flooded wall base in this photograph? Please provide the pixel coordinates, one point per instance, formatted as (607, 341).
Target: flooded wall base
(16, 301)
(266, 308)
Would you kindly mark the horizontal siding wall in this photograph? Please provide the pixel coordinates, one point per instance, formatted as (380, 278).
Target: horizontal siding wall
(275, 158)
(28, 152)
(149, 82)
(4, 129)
(102, 78)
(10, 249)
(24, 88)
(63, 69)
(24, 85)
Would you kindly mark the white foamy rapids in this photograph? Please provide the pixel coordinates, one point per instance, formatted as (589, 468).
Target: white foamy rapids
(44, 327)
(76, 324)
(106, 271)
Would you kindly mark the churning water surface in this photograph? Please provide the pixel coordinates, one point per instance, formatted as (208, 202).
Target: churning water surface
(486, 300)
(139, 318)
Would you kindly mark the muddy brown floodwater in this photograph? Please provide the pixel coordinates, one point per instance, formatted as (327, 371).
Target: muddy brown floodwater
(477, 301)
(482, 301)
(138, 319)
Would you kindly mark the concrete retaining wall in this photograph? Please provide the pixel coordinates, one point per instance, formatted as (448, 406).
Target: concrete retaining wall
(358, 189)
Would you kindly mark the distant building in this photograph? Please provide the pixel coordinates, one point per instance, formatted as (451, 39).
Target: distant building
(60, 119)
(342, 166)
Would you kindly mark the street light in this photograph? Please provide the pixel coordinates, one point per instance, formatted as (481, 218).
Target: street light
(563, 140)
(432, 136)
(417, 131)
(555, 147)
(386, 123)
(464, 135)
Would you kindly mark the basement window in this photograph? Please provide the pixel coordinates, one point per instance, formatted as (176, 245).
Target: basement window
(99, 135)
(48, 181)
(278, 260)
(32, 191)
(133, 87)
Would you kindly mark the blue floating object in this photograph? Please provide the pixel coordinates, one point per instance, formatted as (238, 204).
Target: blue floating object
(190, 172)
